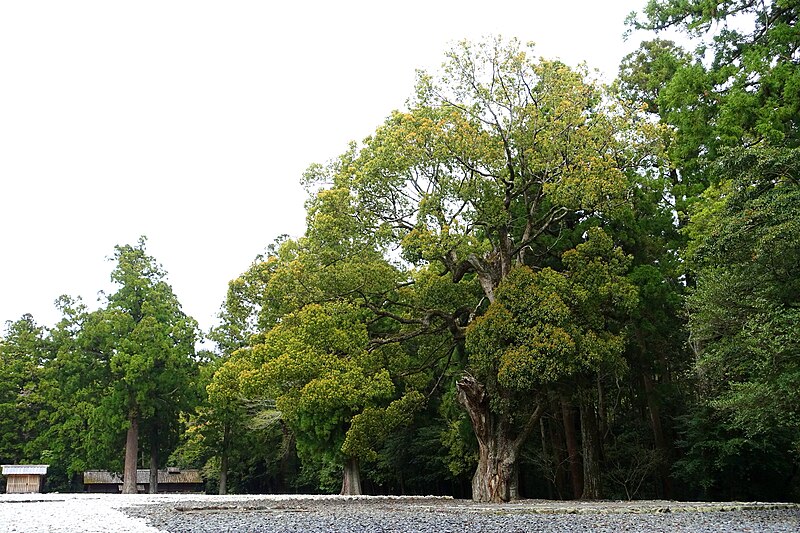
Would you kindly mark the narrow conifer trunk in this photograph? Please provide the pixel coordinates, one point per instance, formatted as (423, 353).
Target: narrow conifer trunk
(575, 468)
(131, 454)
(223, 474)
(351, 480)
(556, 438)
(548, 460)
(592, 485)
(153, 487)
(223, 469)
(661, 440)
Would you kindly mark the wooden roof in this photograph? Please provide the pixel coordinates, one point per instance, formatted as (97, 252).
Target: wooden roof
(10, 470)
(171, 475)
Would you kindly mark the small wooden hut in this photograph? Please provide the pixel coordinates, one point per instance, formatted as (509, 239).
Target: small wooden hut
(169, 480)
(22, 479)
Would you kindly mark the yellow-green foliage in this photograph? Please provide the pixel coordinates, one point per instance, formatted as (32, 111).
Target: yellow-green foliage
(547, 327)
(369, 428)
(499, 142)
(316, 366)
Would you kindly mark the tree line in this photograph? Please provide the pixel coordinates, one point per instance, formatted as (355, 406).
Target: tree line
(524, 284)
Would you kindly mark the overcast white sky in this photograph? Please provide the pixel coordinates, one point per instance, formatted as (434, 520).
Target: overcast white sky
(191, 122)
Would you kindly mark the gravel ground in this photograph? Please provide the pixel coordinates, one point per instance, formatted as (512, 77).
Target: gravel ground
(431, 515)
(69, 513)
(73, 513)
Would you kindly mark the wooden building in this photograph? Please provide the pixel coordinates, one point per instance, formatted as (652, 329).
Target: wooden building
(21, 479)
(169, 480)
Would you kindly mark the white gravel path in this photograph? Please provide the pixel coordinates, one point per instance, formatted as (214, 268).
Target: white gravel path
(70, 513)
(95, 513)
(75, 513)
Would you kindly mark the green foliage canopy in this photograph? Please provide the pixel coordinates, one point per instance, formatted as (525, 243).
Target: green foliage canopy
(745, 309)
(548, 328)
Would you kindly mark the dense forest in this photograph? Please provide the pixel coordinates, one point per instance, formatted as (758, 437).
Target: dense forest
(525, 283)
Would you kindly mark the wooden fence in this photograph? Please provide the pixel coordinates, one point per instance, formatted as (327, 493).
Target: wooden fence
(23, 483)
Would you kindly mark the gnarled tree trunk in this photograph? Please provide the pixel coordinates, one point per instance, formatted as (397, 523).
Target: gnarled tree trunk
(351, 480)
(495, 479)
(131, 454)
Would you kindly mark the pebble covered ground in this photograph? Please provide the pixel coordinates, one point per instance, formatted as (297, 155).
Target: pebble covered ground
(429, 515)
(73, 513)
